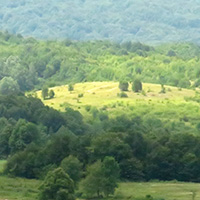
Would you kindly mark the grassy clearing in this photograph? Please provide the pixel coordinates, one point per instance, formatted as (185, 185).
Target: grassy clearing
(18, 189)
(105, 93)
(161, 190)
(170, 106)
(23, 189)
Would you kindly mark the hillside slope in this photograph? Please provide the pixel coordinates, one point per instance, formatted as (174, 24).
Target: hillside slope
(146, 21)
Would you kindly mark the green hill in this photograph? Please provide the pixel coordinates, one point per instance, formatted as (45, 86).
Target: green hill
(145, 21)
(34, 63)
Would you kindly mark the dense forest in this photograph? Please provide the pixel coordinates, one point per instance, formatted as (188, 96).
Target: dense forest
(36, 138)
(145, 21)
(28, 64)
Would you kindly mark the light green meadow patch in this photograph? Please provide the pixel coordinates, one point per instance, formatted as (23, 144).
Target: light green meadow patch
(104, 93)
(18, 188)
(160, 190)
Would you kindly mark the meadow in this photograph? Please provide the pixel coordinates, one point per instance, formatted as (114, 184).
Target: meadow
(24, 189)
(173, 105)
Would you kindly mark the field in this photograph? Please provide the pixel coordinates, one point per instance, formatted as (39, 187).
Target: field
(23, 189)
(165, 190)
(103, 96)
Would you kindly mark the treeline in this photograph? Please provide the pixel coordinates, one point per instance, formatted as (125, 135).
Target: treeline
(36, 139)
(150, 22)
(27, 64)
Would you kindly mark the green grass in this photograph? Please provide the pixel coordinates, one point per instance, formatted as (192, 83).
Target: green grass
(161, 190)
(170, 106)
(23, 189)
(18, 188)
(105, 93)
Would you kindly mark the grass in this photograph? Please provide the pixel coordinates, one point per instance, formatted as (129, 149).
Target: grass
(169, 106)
(18, 188)
(105, 93)
(24, 189)
(160, 190)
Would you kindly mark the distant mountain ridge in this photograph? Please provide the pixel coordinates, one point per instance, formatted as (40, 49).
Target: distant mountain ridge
(148, 21)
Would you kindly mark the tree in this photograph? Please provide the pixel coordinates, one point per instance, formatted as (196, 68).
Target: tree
(51, 94)
(45, 92)
(137, 85)
(22, 135)
(73, 167)
(101, 178)
(70, 87)
(123, 86)
(9, 86)
(57, 186)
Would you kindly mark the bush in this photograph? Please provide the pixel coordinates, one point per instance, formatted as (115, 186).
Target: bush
(122, 95)
(137, 85)
(80, 95)
(57, 185)
(70, 87)
(123, 86)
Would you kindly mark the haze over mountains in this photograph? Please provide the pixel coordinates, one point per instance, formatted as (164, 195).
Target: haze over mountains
(147, 21)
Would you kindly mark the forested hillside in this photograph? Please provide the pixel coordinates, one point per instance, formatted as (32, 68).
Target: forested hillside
(146, 21)
(26, 64)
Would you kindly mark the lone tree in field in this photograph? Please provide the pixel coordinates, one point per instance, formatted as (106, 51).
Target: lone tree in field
(137, 85)
(45, 92)
(57, 186)
(70, 87)
(123, 86)
(51, 94)
(101, 179)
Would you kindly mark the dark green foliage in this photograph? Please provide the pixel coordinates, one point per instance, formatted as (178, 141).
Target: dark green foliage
(70, 87)
(163, 90)
(51, 94)
(57, 186)
(122, 95)
(137, 85)
(45, 92)
(101, 178)
(22, 135)
(123, 86)
(73, 167)
(8, 86)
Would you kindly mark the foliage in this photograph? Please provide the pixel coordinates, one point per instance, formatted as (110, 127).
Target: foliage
(73, 167)
(122, 95)
(57, 185)
(105, 20)
(8, 86)
(123, 86)
(45, 92)
(70, 87)
(101, 178)
(137, 85)
(51, 94)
